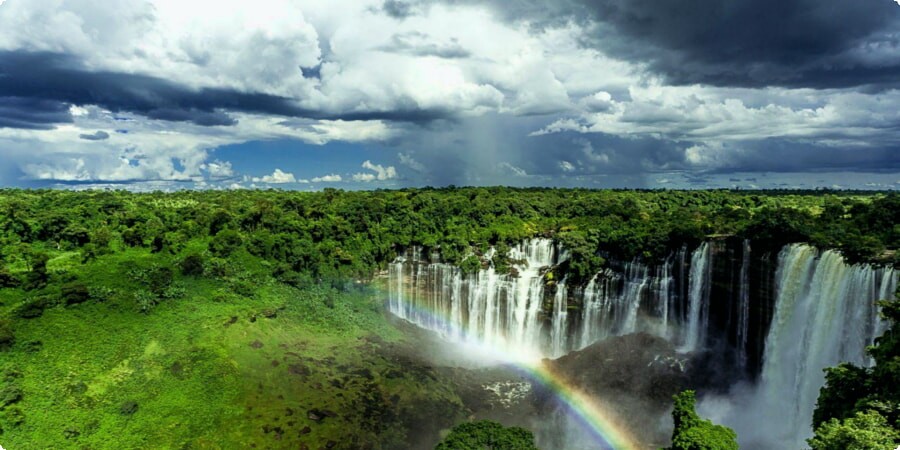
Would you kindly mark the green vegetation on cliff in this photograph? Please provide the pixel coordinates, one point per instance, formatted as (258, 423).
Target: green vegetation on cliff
(695, 433)
(859, 408)
(487, 435)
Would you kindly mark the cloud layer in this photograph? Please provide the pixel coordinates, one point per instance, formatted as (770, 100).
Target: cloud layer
(529, 92)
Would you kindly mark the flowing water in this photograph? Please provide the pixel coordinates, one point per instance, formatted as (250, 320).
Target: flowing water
(818, 312)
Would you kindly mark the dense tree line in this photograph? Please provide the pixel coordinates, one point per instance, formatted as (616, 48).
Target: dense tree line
(334, 234)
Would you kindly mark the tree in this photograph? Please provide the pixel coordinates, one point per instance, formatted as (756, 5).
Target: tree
(859, 408)
(694, 433)
(487, 435)
(864, 431)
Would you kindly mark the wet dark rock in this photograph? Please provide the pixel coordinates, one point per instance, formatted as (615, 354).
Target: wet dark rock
(315, 415)
(305, 430)
(330, 444)
(639, 373)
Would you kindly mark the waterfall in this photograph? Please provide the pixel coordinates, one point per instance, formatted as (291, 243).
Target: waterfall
(559, 331)
(825, 314)
(698, 294)
(511, 311)
(503, 311)
(743, 325)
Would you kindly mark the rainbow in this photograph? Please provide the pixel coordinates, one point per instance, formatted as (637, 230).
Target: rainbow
(604, 427)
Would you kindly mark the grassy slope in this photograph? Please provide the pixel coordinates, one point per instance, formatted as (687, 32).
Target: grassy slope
(202, 373)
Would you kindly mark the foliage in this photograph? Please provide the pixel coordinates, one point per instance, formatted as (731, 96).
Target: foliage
(214, 272)
(74, 293)
(862, 431)
(694, 433)
(487, 435)
(859, 408)
(192, 265)
(337, 234)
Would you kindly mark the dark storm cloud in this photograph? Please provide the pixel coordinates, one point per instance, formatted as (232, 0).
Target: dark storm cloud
(813, 43)
(46, 83)
(781, 155)
(32, 113)
(397, 9)
(748, 43)
(98, 136)
(419, 44)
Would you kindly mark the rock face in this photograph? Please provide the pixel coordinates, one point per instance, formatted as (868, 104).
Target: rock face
(640, 365)
(636, 375)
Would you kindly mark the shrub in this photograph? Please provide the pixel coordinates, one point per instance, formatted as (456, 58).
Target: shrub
(225, 243)
(145, 300)
(7, 337)
(74, 293)
(8, 280)
(159, 279)
(33, 307)
(192, 265)
(486, 434)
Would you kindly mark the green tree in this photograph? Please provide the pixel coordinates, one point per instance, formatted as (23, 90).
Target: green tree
(487, 435)
(695, 433)
(858, 407)
(864, 431)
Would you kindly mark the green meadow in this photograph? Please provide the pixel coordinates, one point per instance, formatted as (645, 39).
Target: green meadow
(227, 359)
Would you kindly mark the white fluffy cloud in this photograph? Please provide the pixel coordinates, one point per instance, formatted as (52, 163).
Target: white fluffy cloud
(381, 173)
(332, 178)
(704, 115)
(277, 177)
(408, 161)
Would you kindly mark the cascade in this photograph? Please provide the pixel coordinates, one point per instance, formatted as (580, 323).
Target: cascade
(698, 292)
(743, 325)
(512, 312)
(503, 311)
(784, 322)
(825, 314)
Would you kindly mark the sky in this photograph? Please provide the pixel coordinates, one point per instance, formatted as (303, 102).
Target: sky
(371, 94)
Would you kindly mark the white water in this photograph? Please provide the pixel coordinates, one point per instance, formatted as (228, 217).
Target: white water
(698, 292)
(825, 314)
(743, 325)
(502, 311)
(513, 313)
